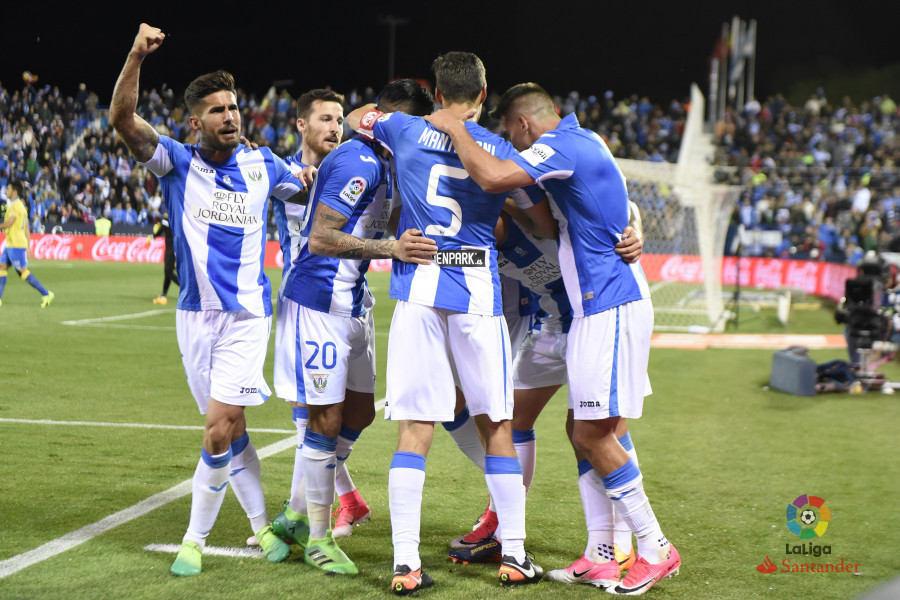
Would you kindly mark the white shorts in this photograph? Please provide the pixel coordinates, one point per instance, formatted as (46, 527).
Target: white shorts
(518, 327)
(607, 356)
(318, 356)
(426, 344)
(541, 360)
(285, 373)
(223, 353)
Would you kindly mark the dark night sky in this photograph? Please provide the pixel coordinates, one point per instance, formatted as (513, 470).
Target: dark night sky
(650, 48)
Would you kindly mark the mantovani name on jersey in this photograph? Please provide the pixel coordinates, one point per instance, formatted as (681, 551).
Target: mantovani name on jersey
(226, 208)
(436, 140)
(460, 258)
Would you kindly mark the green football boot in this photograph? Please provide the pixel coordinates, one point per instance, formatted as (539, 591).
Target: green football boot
(326, 555)
(187, 562)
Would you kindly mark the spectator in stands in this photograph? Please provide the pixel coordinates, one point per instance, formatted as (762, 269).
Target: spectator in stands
(130, 216)
(830, 160)
(117, 214)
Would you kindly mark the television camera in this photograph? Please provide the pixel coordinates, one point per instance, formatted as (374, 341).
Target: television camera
(868, 310)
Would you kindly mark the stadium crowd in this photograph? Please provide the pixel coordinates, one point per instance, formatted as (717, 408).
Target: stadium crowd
(819, 181)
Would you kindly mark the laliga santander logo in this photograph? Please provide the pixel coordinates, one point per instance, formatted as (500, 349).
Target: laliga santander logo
(808, 517)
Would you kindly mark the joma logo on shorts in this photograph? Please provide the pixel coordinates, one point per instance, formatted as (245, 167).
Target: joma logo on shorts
(589, 404)
(249, 390)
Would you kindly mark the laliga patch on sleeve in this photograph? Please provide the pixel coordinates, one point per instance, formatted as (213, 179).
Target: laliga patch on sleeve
(537, 154)
(354, 190)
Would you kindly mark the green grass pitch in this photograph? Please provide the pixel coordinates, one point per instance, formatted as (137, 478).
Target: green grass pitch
(722, 457)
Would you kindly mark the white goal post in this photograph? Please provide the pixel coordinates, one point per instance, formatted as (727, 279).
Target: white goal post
(685, 216)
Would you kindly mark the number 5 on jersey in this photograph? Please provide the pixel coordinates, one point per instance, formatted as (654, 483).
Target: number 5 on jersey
(452, 205)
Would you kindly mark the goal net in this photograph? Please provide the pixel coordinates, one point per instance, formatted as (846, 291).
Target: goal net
(685, 219)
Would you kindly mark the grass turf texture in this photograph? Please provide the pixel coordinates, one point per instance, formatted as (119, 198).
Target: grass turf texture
(722, 457)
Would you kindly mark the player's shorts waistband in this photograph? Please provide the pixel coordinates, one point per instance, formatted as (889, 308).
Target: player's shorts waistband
(461, 258)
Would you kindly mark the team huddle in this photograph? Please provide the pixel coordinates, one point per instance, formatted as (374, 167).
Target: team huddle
(515, 272)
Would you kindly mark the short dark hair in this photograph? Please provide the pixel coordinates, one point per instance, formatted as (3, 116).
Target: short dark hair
(305, 101)
(406, 96)
(18, 186)
(460, 76)
(516, 92)
(207, 84)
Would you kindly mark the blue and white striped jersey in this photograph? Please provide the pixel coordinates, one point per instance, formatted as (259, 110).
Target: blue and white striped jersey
(588, 197)
(217, 212)
(442, 201)
(288, 217)
(518, 301)
(534, 263)
(355, 181)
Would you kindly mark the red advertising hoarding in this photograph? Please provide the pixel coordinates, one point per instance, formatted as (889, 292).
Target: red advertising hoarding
(818, 278)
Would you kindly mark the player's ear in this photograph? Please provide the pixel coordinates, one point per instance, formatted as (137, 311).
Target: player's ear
(438, 96)
(195, 122)
(522, 122)
(483, 95)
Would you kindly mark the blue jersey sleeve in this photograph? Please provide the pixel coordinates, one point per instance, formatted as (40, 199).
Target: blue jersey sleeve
(285, 183)
(388, 127)
(546, 159)
(346, 178)
(527, 196)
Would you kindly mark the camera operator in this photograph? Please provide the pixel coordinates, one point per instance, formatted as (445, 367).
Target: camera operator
(870, 307)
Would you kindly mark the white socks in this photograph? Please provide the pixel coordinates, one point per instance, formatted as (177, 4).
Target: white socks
(298, 489)
(504, 481)
(465, 433)
(246, 483)
(318, 473)
(405, 484)
(209, 483)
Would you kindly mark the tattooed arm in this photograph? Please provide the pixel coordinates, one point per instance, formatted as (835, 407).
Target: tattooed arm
(138, 134)
(327, 239)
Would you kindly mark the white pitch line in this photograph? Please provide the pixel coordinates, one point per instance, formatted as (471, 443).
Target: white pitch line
(232, 552)
(134, 425)
(115, 326)
(139, 315)
(70, 540)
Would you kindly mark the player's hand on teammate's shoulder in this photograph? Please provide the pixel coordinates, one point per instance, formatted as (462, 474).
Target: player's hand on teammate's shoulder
(148, 39)
(445, 119)
(248, 144)
(631, 246)
(413, 247)
(307, 175)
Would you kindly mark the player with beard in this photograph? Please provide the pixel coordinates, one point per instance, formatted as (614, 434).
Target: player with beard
(328, 311)
(216, 194)
(320, 119)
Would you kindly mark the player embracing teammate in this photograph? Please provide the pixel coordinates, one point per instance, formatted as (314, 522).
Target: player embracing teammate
(608, 343)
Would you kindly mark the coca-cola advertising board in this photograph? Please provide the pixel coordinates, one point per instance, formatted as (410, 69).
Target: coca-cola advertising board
(817, 278)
